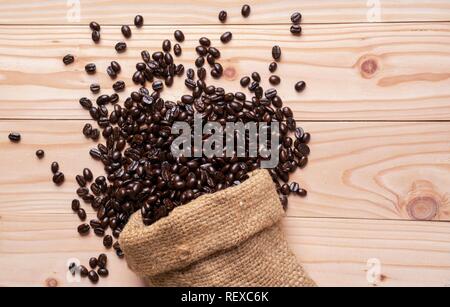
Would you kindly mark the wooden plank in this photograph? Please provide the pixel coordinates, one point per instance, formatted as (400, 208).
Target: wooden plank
(357, 170)
(353, 72)
(35, 249)
(205, 12)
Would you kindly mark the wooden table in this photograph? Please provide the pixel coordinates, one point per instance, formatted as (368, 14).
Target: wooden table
(377, 105)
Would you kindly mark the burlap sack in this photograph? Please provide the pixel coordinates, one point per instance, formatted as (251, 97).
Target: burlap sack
(230, 238)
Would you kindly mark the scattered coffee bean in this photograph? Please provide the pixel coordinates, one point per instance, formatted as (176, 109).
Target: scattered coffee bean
(119, 86)
(83, 271)
(296, 30)
(75, 205)
(100, 232)
(115, 66)
(93, 277)
(95, 88)
(54, 167)
(90, 68)
(96, 36)
(93, 262)
(102, 261)
(274, 80)
(223, 16)
(94, 26)
(245, 81)
(246, 10)
(40, 153)
(84, 229)
(166, 45)
(107, 241)
(81, 181)
(179, 36)
(87, 174)
(296, 18)
(121, 47)
(126, 31)
(300, 86)
(256, 77)
(226, 37)
(68, 59)
(103, 272)
(177, 50)
(138, 21)
(111, 73)
(205, 42)
(273, 67)
(14, 137)
(82, 214)
(276, 53)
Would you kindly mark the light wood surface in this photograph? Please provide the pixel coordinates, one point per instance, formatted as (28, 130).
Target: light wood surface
(357, 170)
(377, 105)
(410, 79)
(206, 11)
(35, 249)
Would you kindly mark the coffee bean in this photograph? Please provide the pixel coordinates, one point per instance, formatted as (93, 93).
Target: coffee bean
(107, 241)
(256, 77)
(82, 214)
(96, 36)
(100, 232)
(296, 30)
(270, 93)
(90, 68)
(121, 47)
(273, 67)
(93, 262)
(95, 88)
(200, 61)
(75, 205)
(296, 18)
(276, 53)
(14, 137)
(103, 272)
(166, 45)
(119, 86)
(300, 86)
(68, 59)
(93, 277)
(223, 16)
(302, 193)
(40, 153)
(246, 11)
(87, 174)
(81, 181)
(83, 271)
(177, 49)
(103, 100)
(126, 31)
(216, 74)
(204, 42)
(94, 26)
(245, 81)
(179, 36)
(157, 85)
(54, 167)
(102, 261)
(139, 21)
(226, 37)
(145, 56)
(214, 52)
(274, 80)
(84, 229)
(111, 73)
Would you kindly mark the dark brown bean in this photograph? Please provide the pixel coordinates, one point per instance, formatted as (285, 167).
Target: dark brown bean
(139, 21)
(94, 26)
(274, 80)
(223, 16)
(246, 10)
(81, 181)
(82, 214)
(93, 277)
(68, 59)
(273, 67)
(75, 205)
(126, 31)
(90, 68)
(95, 88)
(177, 50)
(226, 37)
(300, 86)
(107, 241)
(103, 272)
(276, 53)
(87, 174)
(121, 47)
(84, 229)
(166, 45)
(179, 36)
(245, 81)
(296, 18)
(96, 36)
(54, 167)
(40, 153)
(296, 30)
(83, 271)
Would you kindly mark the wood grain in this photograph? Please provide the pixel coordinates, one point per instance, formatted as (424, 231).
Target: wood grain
(353, 72)
(357, 170)
(177, 12)
(35, 249)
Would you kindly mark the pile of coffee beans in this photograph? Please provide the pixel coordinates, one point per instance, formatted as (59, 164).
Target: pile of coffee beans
(97, 266)
(141, 173)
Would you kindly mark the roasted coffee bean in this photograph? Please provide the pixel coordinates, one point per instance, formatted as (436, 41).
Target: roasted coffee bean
(100, 232)
(115, 66)
(103, 100)
(75, 205)
(82, 214)
(87, 174)
(214, 52)
(157, 85)
(94, 26)
(302, 193)
(296, 30)
(96, 36)
(81, 181)
(93, 263)
(270, 93)
(190, 74)
(145, 55)
(86, 103)
(246, 10)
(273, 67)
(226, 37)
(166, 45)
(103, 272)
(216, 74)
(121, 47)
(274, 80)
(83, 271)
(223, 16)
(14, 137)
(68, 59)
(54, 167)
(119, 86)
(126, 31)
(200, 61)
(201, 51)
(40, 153)
(90, 68)
(102, 261)
(107, 241)
(179, 36)
(300, 86)
(245, 81)
(95, 88)
(111, 73)
(296, 18)
(177, 50)
(84, 229)
(256, 77)
(276, 53)
(93, 277)
(138, 21)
